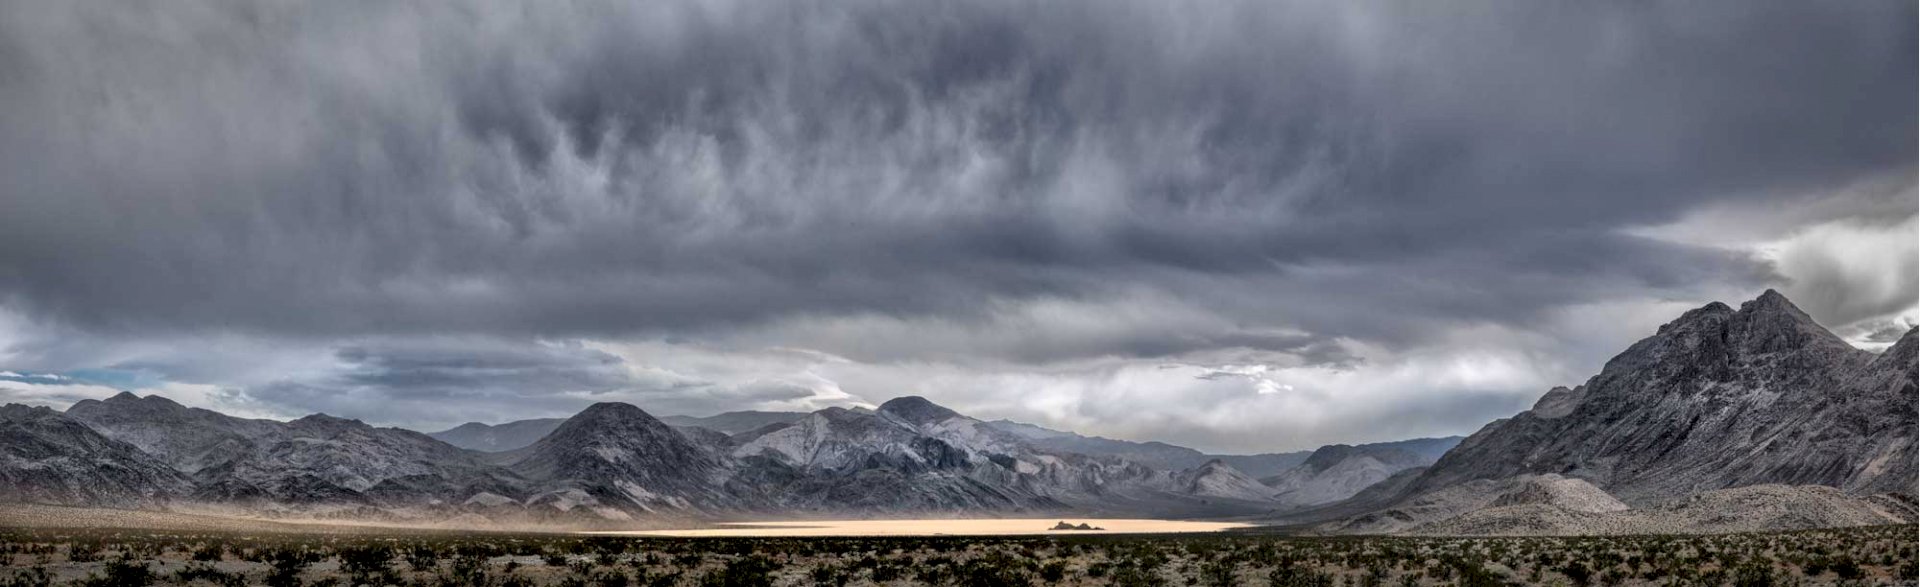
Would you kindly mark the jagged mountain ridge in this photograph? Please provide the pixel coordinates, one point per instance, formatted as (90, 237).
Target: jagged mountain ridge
(314, 459)
(614, 462)
(1720, 415)
(920, 455)
(519, 434)
(1718, 398)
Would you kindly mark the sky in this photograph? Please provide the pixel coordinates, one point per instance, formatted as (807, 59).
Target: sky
(1237, 225)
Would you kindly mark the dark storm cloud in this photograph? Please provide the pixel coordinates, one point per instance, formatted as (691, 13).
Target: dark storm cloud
(414, 191)
(342, 168)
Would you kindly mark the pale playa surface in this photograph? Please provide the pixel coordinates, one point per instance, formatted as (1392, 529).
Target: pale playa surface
(988, 527)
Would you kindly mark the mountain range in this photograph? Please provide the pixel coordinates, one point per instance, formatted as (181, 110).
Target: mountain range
(1722, 413)
(611, 463)
(519, 433)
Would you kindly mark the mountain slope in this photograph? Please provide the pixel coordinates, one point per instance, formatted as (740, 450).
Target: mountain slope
(188, 439)
(498, 437)
(46, 457)
(314, 459)
(1339, 471)
(616, 455)
(1718, 398)
(522, 433)
(1218, 479)
(906, 456)
(1689, 427)
(913, 455)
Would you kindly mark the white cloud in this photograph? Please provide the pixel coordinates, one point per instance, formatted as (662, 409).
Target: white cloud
(57, 396)
(1850, 257)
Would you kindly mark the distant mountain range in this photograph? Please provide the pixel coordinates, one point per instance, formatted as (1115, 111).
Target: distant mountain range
(1158, 455)
(611, 463)
(1723, 413)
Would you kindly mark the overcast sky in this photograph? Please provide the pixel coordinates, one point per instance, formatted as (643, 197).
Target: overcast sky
(1241, 226)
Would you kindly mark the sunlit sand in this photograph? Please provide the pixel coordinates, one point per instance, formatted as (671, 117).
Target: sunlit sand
(988, 527)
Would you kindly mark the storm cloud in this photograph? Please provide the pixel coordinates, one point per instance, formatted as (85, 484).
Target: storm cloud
(1076, 212)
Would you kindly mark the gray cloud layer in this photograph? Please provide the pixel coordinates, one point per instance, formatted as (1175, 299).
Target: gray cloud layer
(991, 186)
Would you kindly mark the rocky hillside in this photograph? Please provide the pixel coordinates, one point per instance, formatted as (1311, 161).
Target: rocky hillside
(46, 457)
(619, 456)
(188, 439)
(1682, 427)
(914, 455)
(1718, 398)
(1218, 479)
(1757, 508)
(316, 459)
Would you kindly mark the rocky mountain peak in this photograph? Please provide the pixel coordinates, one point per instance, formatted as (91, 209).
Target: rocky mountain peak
(612, 424)
(1718, 398)
(1771, 323)
(619, 453)
(1328, 456)
(1710, 316)
(326, 422)
(1715, 339)
(916, 410)
(1216, 478)
(127, 401)
(615, 415)
(1558, 402)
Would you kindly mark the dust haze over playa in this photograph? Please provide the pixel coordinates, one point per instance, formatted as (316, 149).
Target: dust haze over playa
(1264, 270)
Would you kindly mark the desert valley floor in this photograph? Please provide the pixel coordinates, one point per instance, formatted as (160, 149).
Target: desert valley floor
(1882, 555)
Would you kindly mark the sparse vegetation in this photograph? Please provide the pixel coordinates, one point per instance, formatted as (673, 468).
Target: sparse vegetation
(1856, 556)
